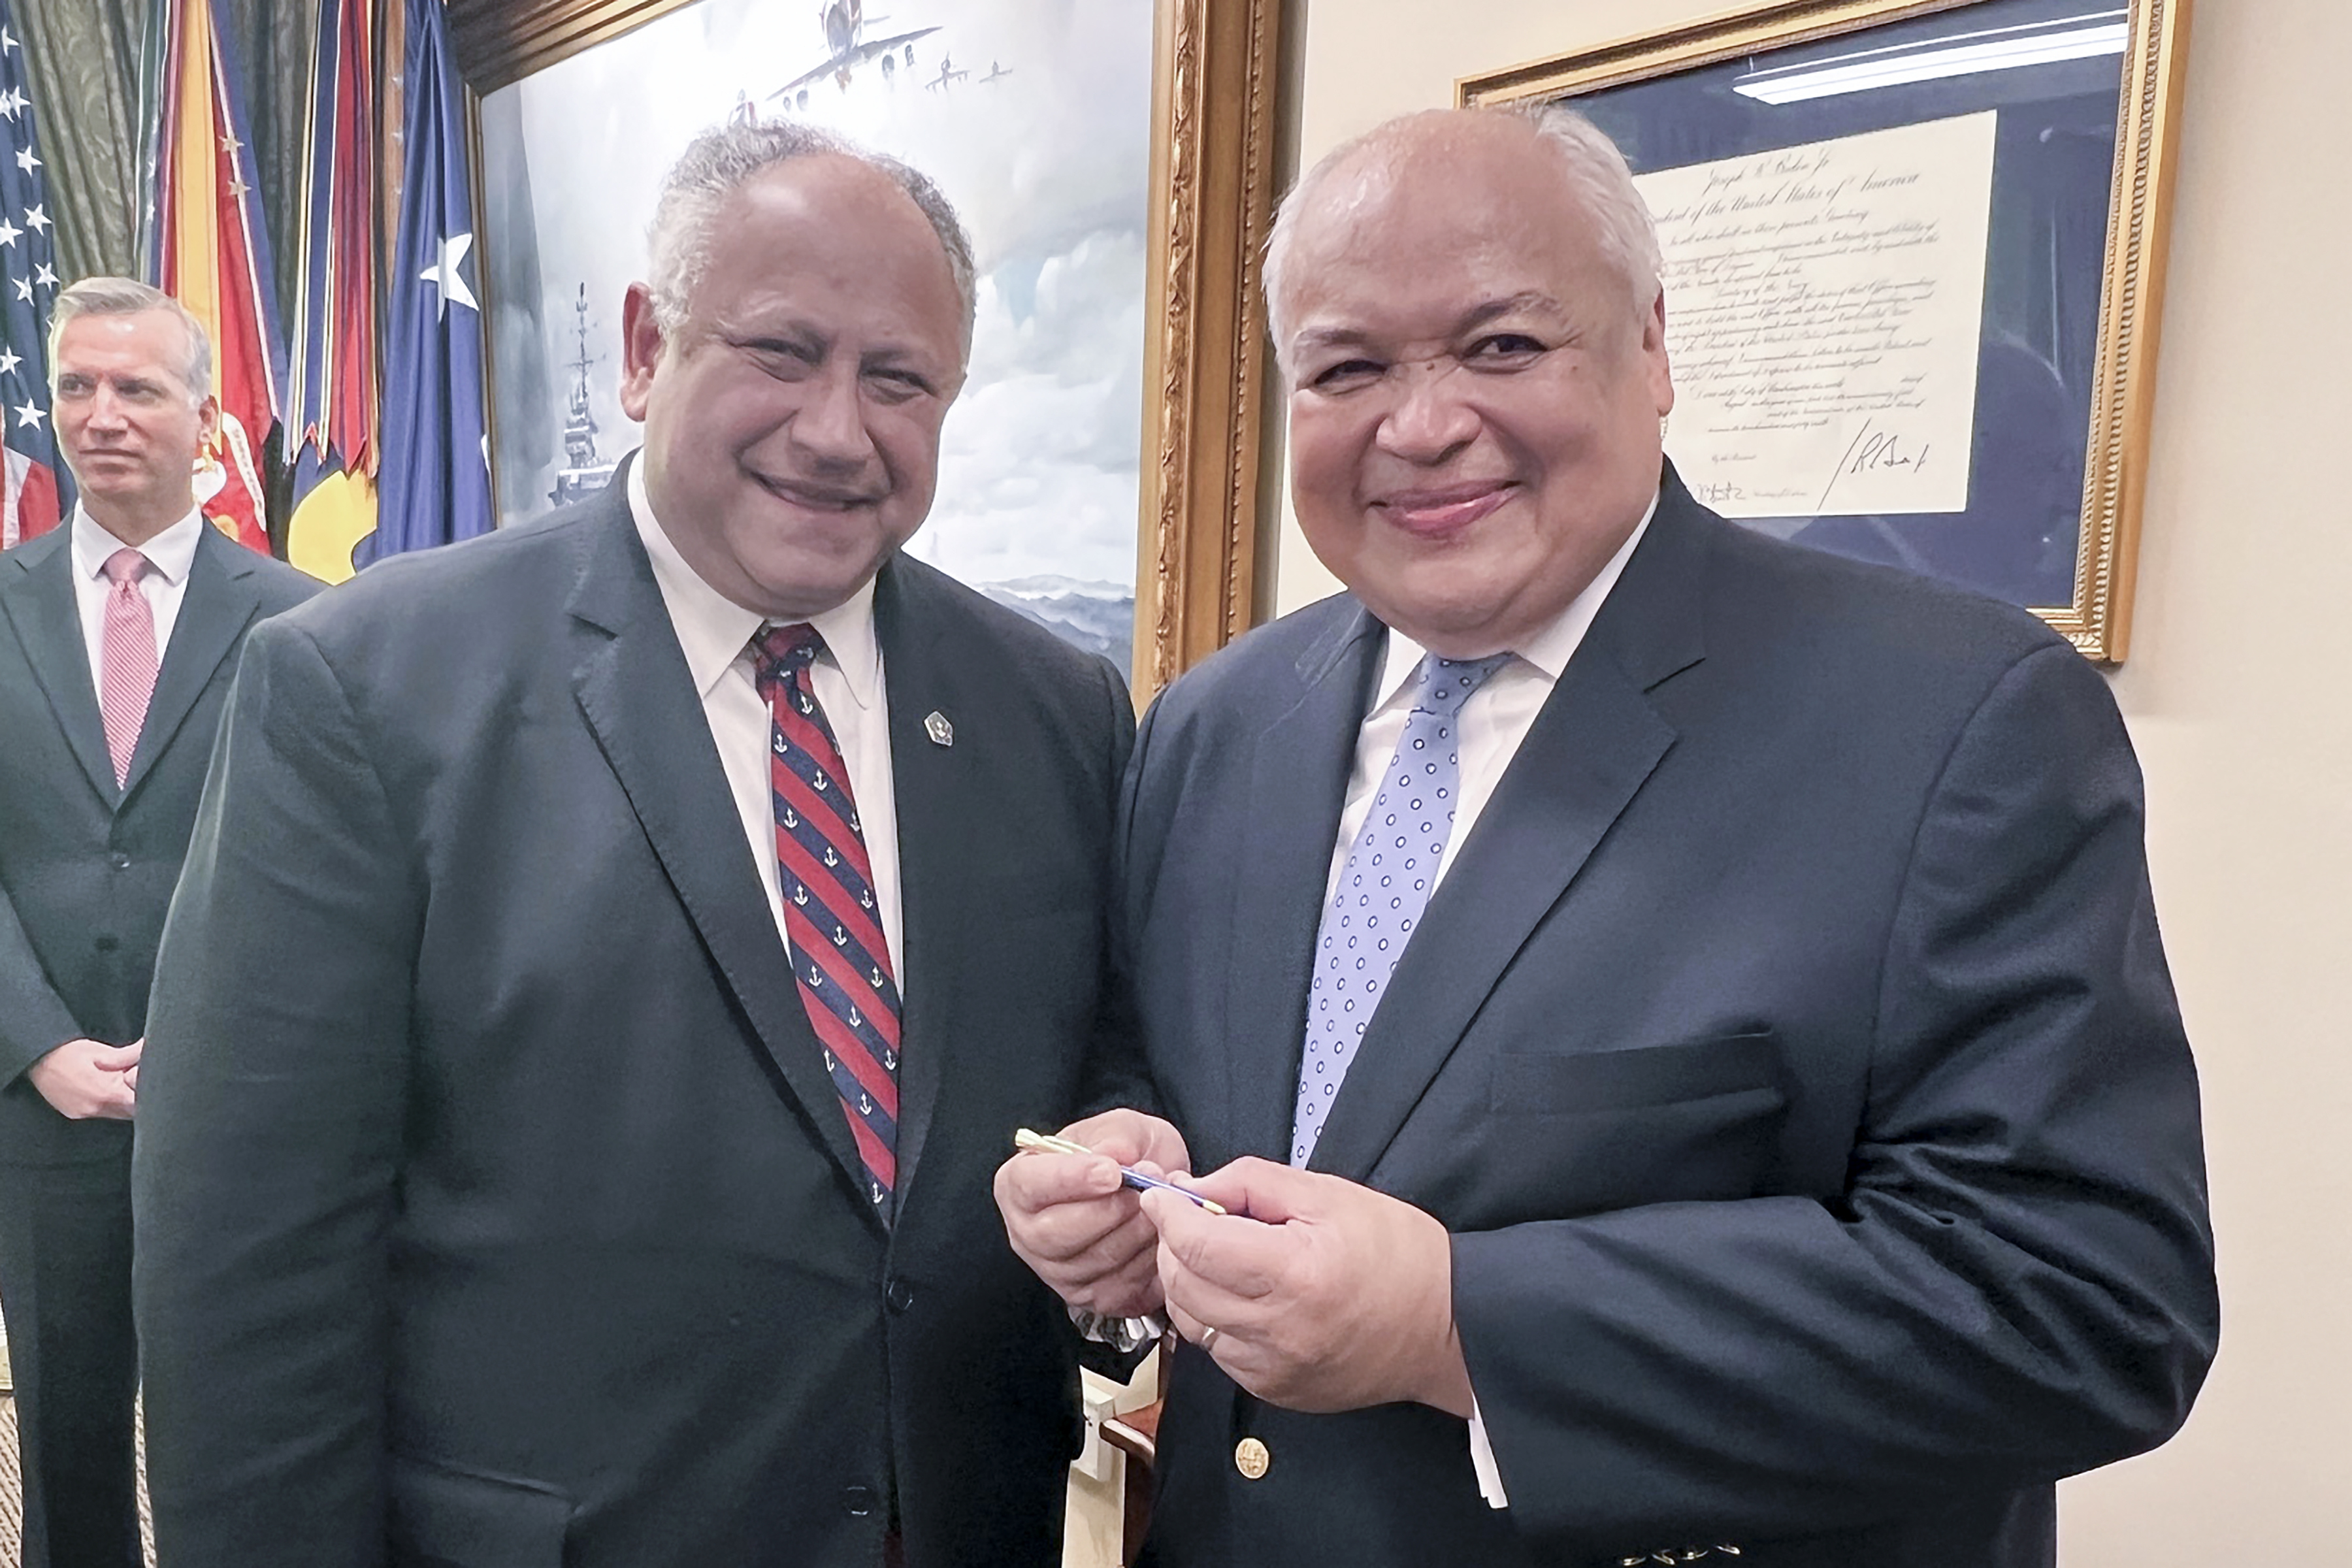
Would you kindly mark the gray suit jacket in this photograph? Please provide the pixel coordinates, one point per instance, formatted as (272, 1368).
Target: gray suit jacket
(486, 1152)
(87, 869)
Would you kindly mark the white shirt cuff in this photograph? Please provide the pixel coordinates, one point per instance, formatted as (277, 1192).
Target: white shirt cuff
(1482, 1459)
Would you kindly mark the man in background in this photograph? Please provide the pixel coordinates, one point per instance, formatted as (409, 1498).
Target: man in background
(117, 639)
(1678, 1018)
(614, 955)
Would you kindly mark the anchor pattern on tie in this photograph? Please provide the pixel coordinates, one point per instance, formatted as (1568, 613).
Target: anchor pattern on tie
(847, 985)
(1385, 886)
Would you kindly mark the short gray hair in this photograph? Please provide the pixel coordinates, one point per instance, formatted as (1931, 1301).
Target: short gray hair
(1590, 166)
(717, 163)
(128, 296)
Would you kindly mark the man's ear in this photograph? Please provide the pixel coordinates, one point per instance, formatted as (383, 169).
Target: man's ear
(641, 349)
(1653, 355)
(208, 416)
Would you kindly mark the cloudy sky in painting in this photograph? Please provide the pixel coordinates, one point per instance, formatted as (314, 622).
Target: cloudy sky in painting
(1047, 164)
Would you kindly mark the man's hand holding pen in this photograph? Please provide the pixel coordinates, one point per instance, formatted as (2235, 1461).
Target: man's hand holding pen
(1075, 1223)
(1312, 1292)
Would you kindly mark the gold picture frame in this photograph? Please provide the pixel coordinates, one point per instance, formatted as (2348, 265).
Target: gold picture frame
(1212, 179)
(2097, 620)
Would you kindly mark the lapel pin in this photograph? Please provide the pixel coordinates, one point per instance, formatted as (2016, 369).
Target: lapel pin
(936, 725)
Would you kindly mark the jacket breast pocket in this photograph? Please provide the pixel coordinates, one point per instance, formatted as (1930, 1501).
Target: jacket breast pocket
(444, 1517)
(1575, 1133)
(1552, 1083)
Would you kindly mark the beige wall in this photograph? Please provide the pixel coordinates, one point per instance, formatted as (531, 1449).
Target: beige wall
(2235, 692)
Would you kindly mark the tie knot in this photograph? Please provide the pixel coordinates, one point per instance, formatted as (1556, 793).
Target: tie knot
(126, 565)
(1447, 683)
(786, 650)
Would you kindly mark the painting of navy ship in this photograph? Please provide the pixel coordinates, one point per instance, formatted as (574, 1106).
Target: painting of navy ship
(584, 472)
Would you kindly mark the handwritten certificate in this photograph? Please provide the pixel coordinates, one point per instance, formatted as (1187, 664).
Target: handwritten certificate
(1822, 304)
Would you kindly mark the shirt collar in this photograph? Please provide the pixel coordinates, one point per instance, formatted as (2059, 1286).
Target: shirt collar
(172, 554)
(1548, 649)
(714, 631)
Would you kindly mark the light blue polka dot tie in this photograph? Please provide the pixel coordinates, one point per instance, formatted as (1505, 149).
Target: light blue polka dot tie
(1383, 887)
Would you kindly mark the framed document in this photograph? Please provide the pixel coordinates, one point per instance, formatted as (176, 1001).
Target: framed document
(1112, 160)
(1914, 265)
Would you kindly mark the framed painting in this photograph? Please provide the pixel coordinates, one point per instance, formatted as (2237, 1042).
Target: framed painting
(1112, 160)
(1913, 268)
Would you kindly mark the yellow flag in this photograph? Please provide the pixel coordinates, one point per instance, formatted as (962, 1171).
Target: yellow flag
(328, 523)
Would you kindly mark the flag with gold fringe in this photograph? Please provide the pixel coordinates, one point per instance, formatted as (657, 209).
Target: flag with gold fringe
(204, 243)
(332, 391)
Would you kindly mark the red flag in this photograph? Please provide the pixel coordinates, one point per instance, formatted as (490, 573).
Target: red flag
(212, 253)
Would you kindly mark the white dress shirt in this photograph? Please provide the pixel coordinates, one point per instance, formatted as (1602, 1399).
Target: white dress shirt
(1495, 721)
(715, 633)
(170, 555)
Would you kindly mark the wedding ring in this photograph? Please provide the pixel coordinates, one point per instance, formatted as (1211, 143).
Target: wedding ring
(1208, 1341)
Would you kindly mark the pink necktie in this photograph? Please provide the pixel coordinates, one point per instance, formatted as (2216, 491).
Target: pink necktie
(126, 659)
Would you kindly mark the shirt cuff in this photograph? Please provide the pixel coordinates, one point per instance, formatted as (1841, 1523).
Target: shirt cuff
(1482, 1459)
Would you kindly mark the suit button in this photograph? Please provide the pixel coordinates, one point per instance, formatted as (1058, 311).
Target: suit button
(858, 1501)
(900, 1295)
(117, 860)
(1252, 1458)
(109, 943)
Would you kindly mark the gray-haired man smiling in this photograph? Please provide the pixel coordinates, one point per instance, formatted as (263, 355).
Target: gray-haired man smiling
(615, 952)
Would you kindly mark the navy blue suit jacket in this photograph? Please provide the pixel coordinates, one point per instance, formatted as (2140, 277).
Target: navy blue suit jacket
(1790, 1051)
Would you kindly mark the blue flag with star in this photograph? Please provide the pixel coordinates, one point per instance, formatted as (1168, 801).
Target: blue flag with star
(37, 492)
(433, 484)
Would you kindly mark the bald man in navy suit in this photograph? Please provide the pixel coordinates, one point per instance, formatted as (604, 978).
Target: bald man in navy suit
(1677, 1018)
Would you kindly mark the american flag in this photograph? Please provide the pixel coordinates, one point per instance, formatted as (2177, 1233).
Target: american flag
(39, 493)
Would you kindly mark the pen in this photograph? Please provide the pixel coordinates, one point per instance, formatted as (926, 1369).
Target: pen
(1025, 1138)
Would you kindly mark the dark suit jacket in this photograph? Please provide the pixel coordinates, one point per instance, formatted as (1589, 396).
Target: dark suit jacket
(1789, 1049)
(86, 868)
(493, 1199)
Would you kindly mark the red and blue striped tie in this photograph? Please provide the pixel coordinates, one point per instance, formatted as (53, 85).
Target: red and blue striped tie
(839, 955)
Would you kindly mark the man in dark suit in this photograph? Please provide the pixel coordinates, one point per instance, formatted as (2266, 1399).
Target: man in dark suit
(596, 1004)
(118, 637)
(1678, 1018)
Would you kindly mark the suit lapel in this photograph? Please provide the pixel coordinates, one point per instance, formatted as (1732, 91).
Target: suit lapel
(37, 596)
(937, 816)
(221, 598)
(1299, 771)
(635, 690)
(1596, 742)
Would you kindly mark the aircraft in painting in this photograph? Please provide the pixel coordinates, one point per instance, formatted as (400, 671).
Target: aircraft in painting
(844, 22)
(948, 76)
